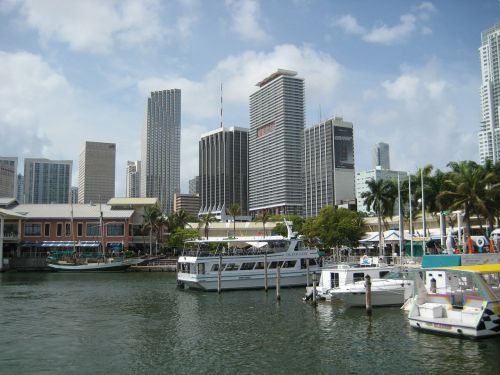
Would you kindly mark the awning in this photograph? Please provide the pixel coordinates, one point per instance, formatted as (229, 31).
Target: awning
(89, 243)
(58, 243)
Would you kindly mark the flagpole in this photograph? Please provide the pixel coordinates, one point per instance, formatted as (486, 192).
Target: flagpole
(411, 220)
(423, 211)
(401, 227)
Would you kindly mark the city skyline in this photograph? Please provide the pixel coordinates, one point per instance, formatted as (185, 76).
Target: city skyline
(400, 71)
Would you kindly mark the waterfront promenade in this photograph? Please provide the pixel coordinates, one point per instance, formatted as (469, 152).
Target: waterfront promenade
(140, 323)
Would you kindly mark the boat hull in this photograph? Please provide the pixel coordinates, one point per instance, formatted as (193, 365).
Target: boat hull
(93, 267)
(379, 298)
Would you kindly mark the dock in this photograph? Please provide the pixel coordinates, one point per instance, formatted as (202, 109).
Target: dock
(157, 265)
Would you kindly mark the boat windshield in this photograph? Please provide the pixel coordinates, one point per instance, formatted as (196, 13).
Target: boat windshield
(396, 275)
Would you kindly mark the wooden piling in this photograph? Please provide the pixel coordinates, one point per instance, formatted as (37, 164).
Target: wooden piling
(368, 286)
(219, 275)
(265, 272)
(433, 285)
(307, 268)
(314, 289)
(278, 275)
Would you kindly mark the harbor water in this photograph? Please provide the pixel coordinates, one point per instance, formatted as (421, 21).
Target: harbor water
(141, 323)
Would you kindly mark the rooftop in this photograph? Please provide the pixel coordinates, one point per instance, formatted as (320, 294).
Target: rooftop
(276, 74)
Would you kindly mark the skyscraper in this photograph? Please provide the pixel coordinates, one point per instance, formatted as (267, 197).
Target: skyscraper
(328, 165)
(8, 177)
(381, 156)
(223, 170)
(133, 179)
(96, 174)
(194, 185)
(47, 181)
(489, 134)
(20, 188)
(161, 139)
(275, 144)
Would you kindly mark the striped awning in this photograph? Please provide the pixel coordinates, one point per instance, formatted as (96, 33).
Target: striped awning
(89, 243)
(70, 243)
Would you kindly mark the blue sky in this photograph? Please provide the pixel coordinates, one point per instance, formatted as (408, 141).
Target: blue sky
(404, 72)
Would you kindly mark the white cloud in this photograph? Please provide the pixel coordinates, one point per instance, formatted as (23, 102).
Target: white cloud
(384, 34)
(97, 26)
(245, 19)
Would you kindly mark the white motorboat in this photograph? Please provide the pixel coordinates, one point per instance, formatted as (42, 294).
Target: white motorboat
(392, 290)
(246, 263)
(337, 276)
(461, 301)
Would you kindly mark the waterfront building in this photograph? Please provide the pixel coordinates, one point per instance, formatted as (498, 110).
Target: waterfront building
(328, 165)
(489, 134)
(20, 188)
(161, 139)
(8, 177)
(276, 179)
(133, 179)
(190, 203)
(96, 174)
(194, 185)
(380, 156)
(47, 181)
(376, 174)
(223, 170)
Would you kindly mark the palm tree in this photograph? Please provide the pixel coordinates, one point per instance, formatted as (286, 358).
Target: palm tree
(161, 222)
(179, 219)
(491, 174)
(234, 210)
(150, 218)
(206, 219)
(264, 218)
(378, 198)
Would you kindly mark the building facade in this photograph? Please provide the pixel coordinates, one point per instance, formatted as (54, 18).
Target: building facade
(74, 194)
(328, 165)
(276, 178)
(381, 156)
(160, 157)
(376, 174)
(20, 188)
(187, 202)
(223, 170)
(133, 179)
(47, 181)
(194, 185)
(96, 174)
(8, 177)
(489, 134)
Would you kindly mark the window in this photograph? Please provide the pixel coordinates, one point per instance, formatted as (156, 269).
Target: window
(359, 276)
(215, 267)
(46, 229)
(334, 279)
(80, 230)
(232, 267)
(259, 266)
(115, 229)
(201, 268)
(93, 230)
(383, 273)
(289, 264)
(248, 266)
(59, 229)
(67, 229)
(32, 229)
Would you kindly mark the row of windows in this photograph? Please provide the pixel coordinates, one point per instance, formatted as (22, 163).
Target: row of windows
(64, 229)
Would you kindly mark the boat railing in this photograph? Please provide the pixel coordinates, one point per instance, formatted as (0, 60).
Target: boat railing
(232, 251)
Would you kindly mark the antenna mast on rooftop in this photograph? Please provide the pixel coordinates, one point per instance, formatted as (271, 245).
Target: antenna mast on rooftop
(221, 105)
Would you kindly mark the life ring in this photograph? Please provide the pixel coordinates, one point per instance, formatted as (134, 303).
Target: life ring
(480, 242)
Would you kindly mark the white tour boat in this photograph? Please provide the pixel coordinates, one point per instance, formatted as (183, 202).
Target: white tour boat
(391, 290)
(462, 301)
(336, 276)
(246, 263)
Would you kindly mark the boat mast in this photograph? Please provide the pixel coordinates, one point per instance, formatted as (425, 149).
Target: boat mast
(102, 230)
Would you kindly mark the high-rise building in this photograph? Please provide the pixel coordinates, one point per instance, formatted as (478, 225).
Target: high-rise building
(187, 202)
(328, 165)
(74, 194)
(161, 139)
(376, 174)
(223, 166)
(96, 174)
(194, 185)
(47, 181)
(133, 179)
(276, 178)
(380, 156)
(8, 177)
(20, 188)
(489, 134)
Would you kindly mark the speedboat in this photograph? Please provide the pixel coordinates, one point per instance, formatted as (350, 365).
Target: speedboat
(246, 263)
(460, 301)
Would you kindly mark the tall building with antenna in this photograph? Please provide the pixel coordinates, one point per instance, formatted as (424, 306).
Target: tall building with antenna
(161, 148)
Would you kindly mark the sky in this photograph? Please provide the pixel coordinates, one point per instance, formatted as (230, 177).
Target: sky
(403, 72)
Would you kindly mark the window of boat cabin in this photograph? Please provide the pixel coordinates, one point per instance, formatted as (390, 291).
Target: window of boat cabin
(289, 264)
(215, 267)
(247, 266)
(303, 263)
(358, 276)
(383, 273)
(201, 268)
(334, 279)
(275, 264)
(59, 229)
(259, 266)
(232, 267)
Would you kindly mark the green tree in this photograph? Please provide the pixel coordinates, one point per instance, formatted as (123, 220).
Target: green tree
(205, 220)
(379, 199)
(181, 235)
(234, 210)
(150, 219)
(297, 223)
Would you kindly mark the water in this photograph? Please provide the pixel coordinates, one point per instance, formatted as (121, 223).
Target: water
(140, 323)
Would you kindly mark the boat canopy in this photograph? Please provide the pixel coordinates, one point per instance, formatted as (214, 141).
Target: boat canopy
(479, 268)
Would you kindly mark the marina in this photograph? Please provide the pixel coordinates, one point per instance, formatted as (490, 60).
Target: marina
(142, 323)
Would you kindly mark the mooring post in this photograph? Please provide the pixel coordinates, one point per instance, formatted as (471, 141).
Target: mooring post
(368, 285)
(314, 288)
(278, 275)
(265, 271)
(433, 285)
(219, 275)
(307, 268)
